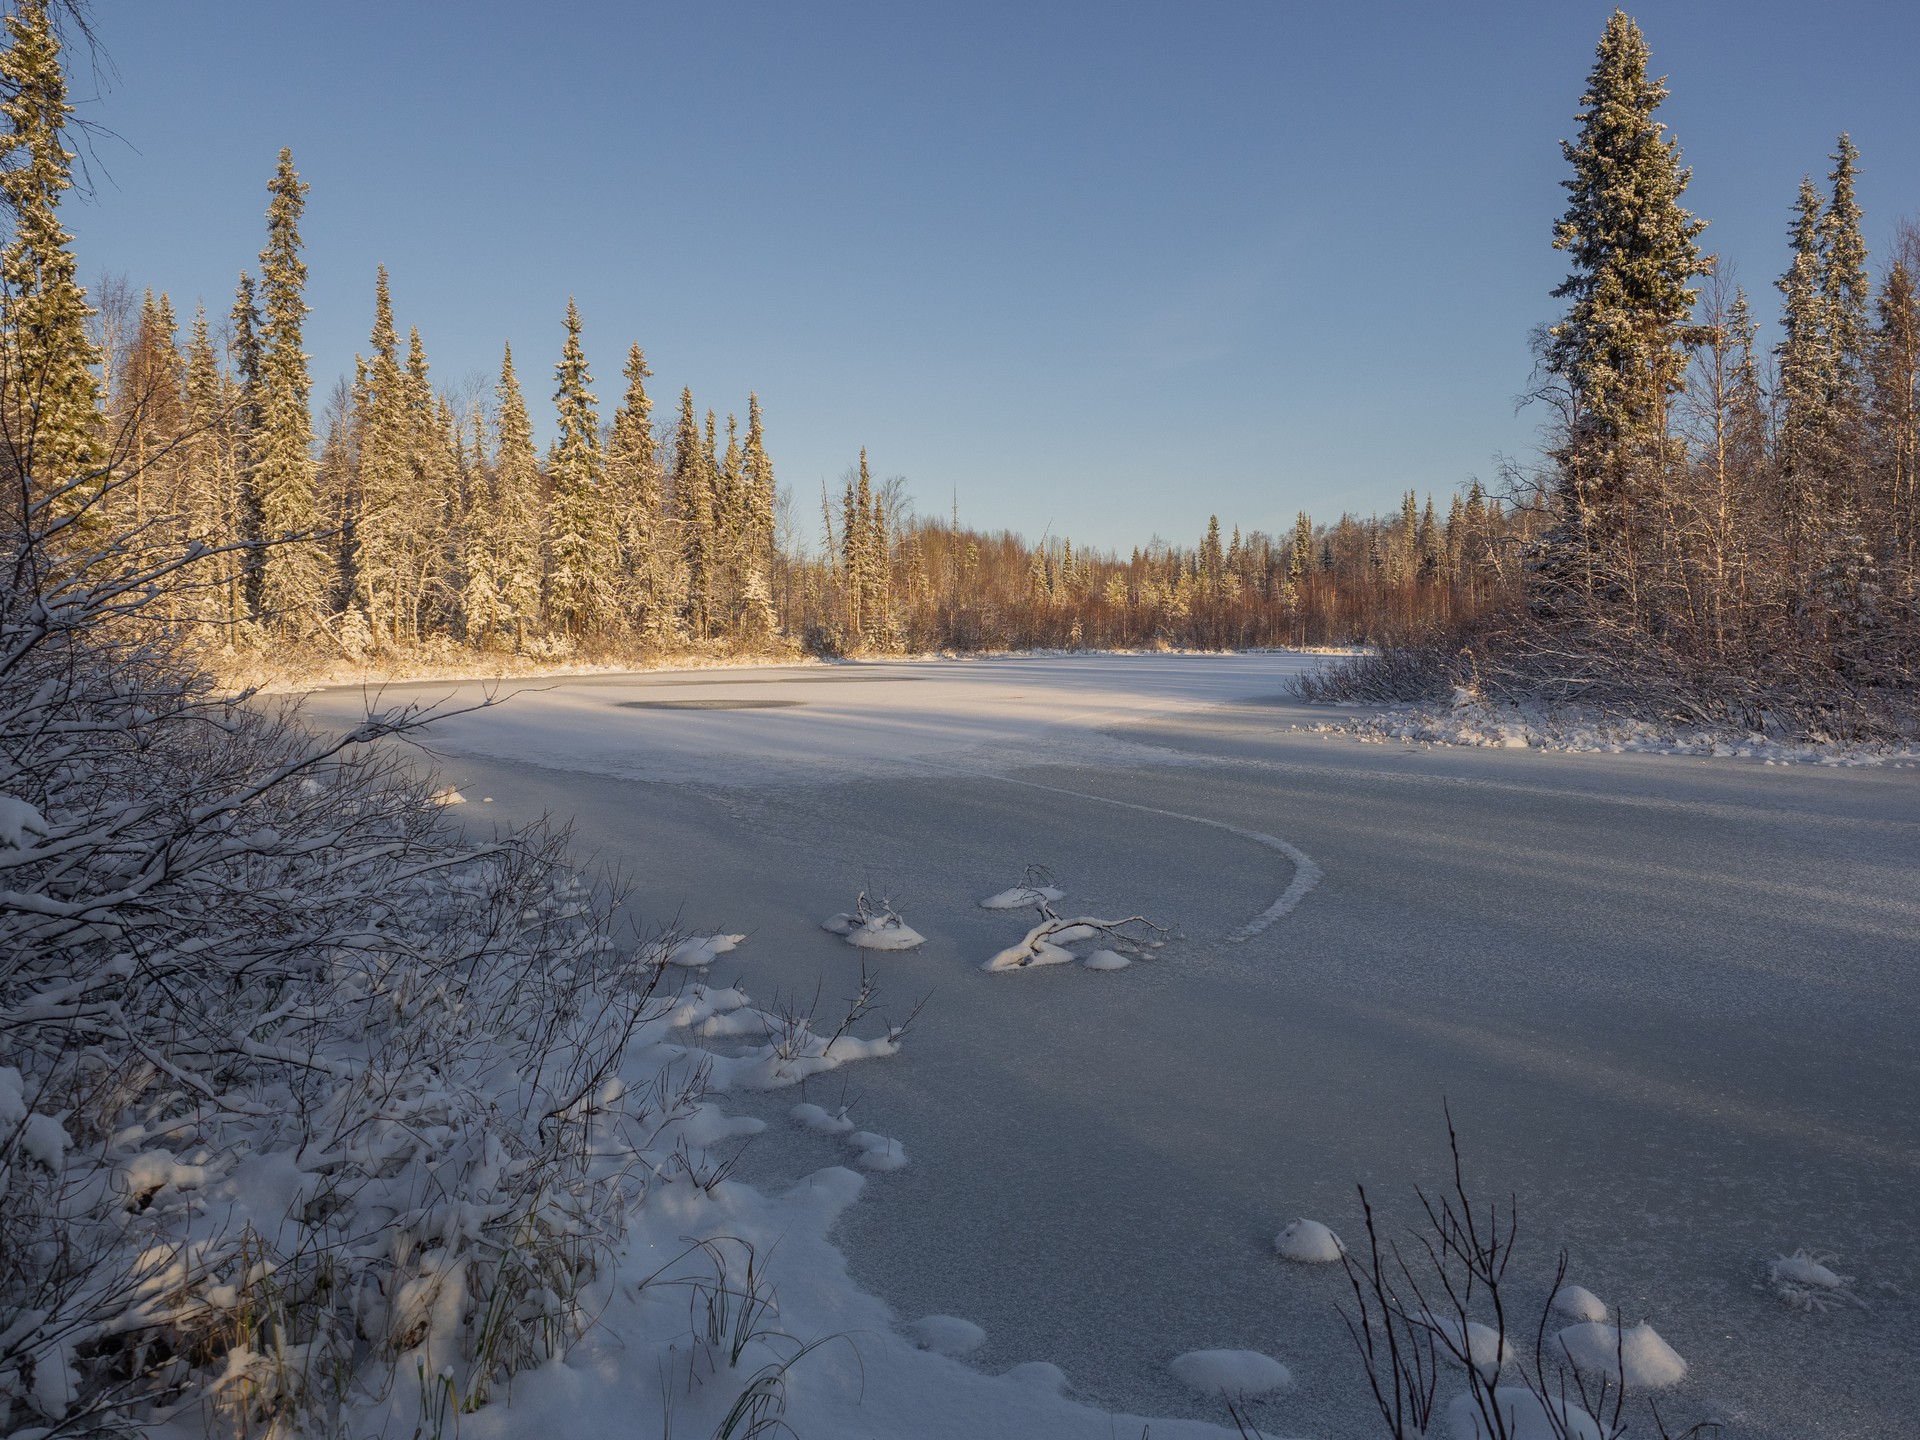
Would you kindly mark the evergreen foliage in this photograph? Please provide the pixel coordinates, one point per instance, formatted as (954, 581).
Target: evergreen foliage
(292, 585)
(49, 403)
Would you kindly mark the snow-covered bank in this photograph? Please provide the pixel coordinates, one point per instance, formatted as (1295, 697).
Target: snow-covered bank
(1473, 722)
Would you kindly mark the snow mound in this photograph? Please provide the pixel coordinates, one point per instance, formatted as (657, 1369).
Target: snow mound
(1481, 1344)
(1021, 897)
(817, 1118)
(1040, 1375)
(1106, 960)
(1309, 1243)
(1805, 1281)
(1637, 1356)
(885, 932)
(948, 1335)
(1576, 1302)
(447, 795)
(1525, 1415)
(877, 1152)
(840, 924)
(1028, 954)
(1230, 1373)
(698, 951)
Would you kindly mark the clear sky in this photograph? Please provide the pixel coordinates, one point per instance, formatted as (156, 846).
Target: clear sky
(1105, 267)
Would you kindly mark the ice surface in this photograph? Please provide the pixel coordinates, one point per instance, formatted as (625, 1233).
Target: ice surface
(1636, 1354)
(947, 1334)
(1308, 1242)
(1576, 1302)
(1524, 1415)
(1230, 1373)
(1712, 958)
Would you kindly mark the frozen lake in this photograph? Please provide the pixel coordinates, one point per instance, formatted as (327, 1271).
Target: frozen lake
(1673, 1003)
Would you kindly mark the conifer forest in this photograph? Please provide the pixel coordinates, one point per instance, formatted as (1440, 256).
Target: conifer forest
(390, 1048)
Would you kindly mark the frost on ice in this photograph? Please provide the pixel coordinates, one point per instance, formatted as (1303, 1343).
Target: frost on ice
(1309, 1243)
(1806, 1281)
(1521, 1415)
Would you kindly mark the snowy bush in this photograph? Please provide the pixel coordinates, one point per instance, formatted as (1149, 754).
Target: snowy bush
(1440, 1305)
(304, 1097)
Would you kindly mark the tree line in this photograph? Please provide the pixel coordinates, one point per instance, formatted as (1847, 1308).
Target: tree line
(402, 520)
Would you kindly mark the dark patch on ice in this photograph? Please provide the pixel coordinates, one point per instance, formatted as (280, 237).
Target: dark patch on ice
(806, 677)
(708, 704)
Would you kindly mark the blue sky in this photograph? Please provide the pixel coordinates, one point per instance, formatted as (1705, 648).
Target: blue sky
(1100, 267)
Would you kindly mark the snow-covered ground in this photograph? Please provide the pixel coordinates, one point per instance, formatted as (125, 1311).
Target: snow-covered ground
(1669, 1000)
(1471, 721)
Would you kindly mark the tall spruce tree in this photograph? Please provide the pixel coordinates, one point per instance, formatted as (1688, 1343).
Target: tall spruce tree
(293, 582)
(1806, 362)
(249, 374)
(382, 419)
(519, 511)
(1621, 347)
(50, 400)
(634, 483)
(1845, 289)
(1895, 375)
(582, 542)
(693, 502)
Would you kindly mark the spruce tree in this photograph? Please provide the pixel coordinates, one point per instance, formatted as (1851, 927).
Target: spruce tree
(382, 411)
(759, 474)
(634, 484)
(518, 510)
(1806, 361)
(693, 500)
(293, 582)
(582, 544)
(249, 371)
(1845, 291)
(1895, 375)
(1621, 347)
(49, 394)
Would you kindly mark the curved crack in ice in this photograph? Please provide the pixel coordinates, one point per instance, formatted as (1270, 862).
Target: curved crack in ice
(1306, 874)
